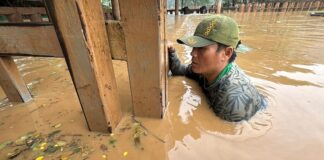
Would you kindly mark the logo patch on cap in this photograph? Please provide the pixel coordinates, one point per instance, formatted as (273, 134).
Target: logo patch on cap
(192, 41)
(210, 27)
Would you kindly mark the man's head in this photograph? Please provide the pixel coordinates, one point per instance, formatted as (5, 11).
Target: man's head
(213, 44)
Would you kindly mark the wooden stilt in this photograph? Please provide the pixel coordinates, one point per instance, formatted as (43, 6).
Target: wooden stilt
(146, 54)
(11, 81)
(82, 34)
(242, 7)
(176, 6)
(219, 6)
(115, 8)
(284, 7)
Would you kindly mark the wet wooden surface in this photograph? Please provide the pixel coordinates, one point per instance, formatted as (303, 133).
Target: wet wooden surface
(84, 42)
(141, 23)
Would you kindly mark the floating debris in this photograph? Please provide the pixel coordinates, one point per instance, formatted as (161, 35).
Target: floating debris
(103, 147)
(57, 125)
(5, 144)
(38, 146)
(112, 140)
(125, 154)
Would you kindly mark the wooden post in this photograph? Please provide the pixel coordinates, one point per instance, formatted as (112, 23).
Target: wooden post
(249, 6)
(242, 7)
(276, 7)
(269, 7)
(219, 6)
(317, 5)
(81, 30)
(284, 7)
(11, 81)
(115, 8)
(255, 7)
(144, 27)
(262, 7)
(176, 7)
(302, 6)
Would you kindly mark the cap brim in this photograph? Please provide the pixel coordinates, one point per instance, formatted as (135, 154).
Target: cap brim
(195, 41)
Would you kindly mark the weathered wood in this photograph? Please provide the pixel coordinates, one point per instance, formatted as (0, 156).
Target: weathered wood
(11, 81)
(242, 7)
(115, 9)
(29, 41)
(22, 10)
(83, 38)
(142, 23)
(116, 40)
(219, 6)
(176, 6)
(163, 55)
(36, 18)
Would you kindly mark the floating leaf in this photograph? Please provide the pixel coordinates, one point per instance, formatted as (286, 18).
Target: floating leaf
(53, 133)
(4, 144)
(51, 149)
(61, 143)
(125, 154)
(15, 153)
(40, 158)
(103, 147)
(57, 125)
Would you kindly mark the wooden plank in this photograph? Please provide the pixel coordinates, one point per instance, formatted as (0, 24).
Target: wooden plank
(83, 38)
(164, 63)
(141, 24)
(115, 9)
(12, 82)
(116, 40)
(22, 10)
(29, 41)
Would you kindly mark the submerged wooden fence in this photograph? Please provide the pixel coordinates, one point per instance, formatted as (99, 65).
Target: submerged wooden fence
(258, 7)
(76, 30)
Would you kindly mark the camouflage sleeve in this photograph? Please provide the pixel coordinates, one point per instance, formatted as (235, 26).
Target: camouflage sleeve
(180, 69)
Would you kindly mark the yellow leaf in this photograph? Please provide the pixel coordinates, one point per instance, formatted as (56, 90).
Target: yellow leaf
(125, 154)
(40, 158)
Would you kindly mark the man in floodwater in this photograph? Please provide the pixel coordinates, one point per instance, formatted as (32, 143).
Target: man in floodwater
(230, 92)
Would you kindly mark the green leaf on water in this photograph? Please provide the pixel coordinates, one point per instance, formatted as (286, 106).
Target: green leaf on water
(53, 133)
(4, 144)
(51, 149)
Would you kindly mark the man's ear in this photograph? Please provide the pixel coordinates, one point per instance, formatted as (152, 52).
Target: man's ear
(229, 52)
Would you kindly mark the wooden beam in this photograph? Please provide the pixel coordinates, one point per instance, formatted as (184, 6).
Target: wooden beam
(12, 82)
(22, 10)
(143, 22)
(115, 9)
(29, 41)
(176, 6)
(116, 40)
(83, 38)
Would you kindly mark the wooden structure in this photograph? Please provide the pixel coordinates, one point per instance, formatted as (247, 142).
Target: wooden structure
(279, 6)
(77, 31)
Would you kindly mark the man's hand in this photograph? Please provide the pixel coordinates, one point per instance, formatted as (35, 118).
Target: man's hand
(171, 49)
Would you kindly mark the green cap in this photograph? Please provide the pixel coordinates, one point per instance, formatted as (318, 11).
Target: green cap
(216, 28)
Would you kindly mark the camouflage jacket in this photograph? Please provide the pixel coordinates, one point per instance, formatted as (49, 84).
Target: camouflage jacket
(233, 97)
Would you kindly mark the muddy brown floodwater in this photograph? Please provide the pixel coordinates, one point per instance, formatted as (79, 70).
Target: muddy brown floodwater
(283, 53)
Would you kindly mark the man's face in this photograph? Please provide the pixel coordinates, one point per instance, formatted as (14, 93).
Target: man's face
(205, 60)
